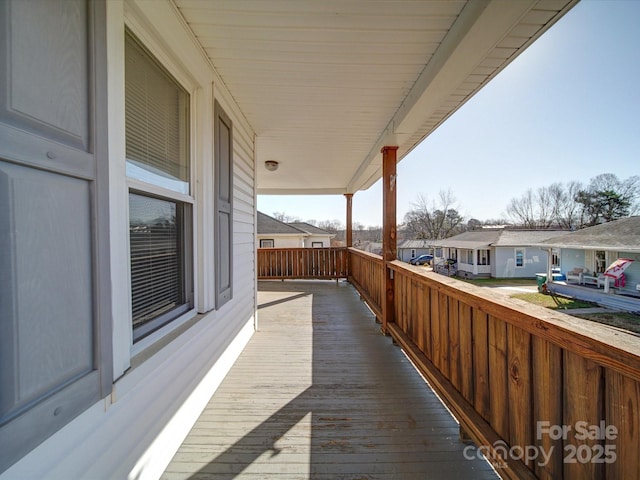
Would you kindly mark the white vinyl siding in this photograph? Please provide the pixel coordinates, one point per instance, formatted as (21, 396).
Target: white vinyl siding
(161, 383)
(285, 241)
(534, 260)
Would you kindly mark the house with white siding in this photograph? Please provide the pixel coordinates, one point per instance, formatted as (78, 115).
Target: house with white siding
(272, 233)
(590, 251)
(497, 253)
(135, 136)
(315, 237)
(410, 249)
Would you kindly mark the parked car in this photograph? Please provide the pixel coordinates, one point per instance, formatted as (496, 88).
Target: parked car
(421, 260)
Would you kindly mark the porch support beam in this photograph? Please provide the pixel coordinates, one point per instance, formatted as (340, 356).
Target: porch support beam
(389, 241)
(349, 239)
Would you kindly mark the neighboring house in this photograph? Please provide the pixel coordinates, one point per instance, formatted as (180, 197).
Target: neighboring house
(591, 250)
(135, 137)
(272, 233)
(410, 249)
(315, 237)
(498, 253)
(369, 247)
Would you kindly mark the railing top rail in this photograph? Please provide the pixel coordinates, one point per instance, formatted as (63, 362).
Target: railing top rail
(275, 249)
(362, 253)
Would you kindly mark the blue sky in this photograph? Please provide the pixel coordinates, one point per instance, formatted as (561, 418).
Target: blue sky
(568, 108)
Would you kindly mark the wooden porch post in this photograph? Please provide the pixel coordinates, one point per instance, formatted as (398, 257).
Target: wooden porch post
(389, 243)
(349, 197)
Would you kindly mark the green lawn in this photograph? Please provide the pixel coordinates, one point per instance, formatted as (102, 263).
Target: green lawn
(548, 301)
(625, 321)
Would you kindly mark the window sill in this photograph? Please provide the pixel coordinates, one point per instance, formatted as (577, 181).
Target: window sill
(149, 346)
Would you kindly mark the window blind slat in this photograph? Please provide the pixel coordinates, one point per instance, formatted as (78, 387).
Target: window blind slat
(155, 119)
(156, 280)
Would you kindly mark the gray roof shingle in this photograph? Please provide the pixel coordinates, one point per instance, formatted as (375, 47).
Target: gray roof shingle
(498, 238)
(269, 225)
(622, 235)
(519, 238)
(417, 244)
(310, 229)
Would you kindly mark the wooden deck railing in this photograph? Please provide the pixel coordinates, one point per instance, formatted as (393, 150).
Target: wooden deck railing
(366, 273)
(311, 263)
(524, 380)
(544, 394)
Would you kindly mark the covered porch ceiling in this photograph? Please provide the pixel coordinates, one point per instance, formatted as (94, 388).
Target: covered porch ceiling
(326, 84)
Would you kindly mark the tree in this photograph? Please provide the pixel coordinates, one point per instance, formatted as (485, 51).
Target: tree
(607, 198)
(540, 209)
(522, 210)
(441, 219)
(332, 226)
(575, 206)
(569, 209)
(474, 224)
(283, 217)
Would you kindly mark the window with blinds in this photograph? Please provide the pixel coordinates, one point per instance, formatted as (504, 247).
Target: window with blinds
(157, 113)
(156, 121)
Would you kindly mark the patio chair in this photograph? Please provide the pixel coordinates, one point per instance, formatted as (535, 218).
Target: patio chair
(575, 275)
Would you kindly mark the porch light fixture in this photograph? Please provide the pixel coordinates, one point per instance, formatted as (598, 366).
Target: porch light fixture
(271, 165)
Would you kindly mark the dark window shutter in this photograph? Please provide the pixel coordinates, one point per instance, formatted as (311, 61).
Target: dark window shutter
(223, 182)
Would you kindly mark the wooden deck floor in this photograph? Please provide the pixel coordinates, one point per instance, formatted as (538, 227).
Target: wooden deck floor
(319, 394)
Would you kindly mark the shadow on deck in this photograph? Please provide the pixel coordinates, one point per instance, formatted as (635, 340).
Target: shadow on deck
(319, 393)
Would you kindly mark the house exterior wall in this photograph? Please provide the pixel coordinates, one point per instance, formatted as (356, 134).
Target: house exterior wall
(311, 239)
(632, 273)
(466, 270)
(161, 384)
(282, 241)
(534, 261)
(571, 258)
(404, 254)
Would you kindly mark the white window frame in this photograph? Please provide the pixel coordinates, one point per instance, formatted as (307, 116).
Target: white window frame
(413, 253)
(317, 244)
(468, 256)
(159, 51)
(484, 259)
(603, 265)
(524, 256)
(264, 243)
